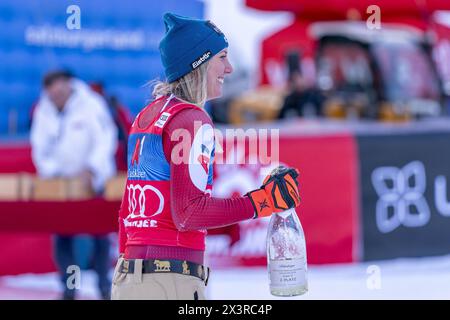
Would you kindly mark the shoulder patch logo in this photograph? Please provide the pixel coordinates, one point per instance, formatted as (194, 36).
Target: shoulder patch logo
(200, 156)
(204, 158)
(162, 120)
(204, 161)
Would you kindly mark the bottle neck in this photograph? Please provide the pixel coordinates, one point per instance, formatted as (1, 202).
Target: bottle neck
(285, 214)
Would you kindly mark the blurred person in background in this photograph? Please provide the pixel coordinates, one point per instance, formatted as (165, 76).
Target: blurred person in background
(73, 135)
(302, 100)
(167, 205)
(121, 116)
(123, 121)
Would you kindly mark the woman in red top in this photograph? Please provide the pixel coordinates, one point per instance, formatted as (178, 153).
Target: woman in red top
(167, 205)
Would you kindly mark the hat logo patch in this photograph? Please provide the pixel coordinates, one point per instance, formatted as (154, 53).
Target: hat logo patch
(201, 59)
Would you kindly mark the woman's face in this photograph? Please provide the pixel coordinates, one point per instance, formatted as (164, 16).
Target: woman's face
(218, 67)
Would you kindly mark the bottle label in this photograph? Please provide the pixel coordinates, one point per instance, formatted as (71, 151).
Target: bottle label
(287, 273)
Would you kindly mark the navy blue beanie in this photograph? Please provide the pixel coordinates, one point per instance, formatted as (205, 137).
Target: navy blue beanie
(187, 44)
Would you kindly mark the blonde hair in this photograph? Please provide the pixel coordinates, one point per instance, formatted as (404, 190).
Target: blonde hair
(191, 88)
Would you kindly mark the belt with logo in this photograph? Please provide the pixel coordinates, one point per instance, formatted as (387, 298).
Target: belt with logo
(167, 266)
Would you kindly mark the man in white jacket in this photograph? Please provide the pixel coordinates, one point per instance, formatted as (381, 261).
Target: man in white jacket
(74, 135)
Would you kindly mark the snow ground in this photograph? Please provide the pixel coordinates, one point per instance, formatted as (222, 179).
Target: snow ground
(418, 278)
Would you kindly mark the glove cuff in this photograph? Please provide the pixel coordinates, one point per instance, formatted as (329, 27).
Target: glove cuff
(261, 203)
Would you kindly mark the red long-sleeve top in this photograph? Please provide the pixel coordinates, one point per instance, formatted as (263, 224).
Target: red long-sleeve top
(191, 207)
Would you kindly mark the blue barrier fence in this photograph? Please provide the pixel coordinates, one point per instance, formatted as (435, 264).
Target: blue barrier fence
(117, 45)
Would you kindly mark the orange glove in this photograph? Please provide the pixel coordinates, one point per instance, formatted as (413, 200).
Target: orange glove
(278, 192)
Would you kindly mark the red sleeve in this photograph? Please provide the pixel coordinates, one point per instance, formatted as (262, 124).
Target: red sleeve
(193, 208)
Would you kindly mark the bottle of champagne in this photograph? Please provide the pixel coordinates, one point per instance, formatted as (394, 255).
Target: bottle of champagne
(286, 255)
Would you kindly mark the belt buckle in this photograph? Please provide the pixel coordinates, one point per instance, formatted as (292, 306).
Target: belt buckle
(125, 266)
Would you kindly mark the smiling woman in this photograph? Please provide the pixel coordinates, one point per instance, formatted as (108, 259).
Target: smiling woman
(218, 67)
(203, 83)
(167, 205)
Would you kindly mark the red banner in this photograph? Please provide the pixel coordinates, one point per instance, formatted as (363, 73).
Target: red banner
(329, 210)
(338, 9)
